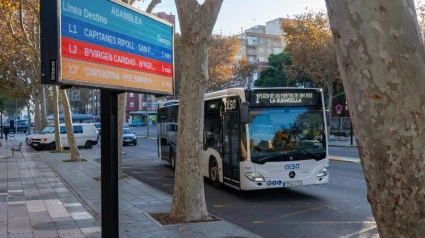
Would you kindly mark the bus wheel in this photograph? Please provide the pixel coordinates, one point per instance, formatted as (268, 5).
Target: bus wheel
(214, 174)
(172, 160)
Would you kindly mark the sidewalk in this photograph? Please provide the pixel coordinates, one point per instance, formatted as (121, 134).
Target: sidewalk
(34, 202)
(74, 206)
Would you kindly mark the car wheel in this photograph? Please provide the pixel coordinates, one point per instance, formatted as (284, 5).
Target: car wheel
(172, 159)
(88, 145)
(214, 174)
(52, 146)
(135, 142)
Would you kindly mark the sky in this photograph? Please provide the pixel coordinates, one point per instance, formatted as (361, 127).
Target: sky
(237, 14)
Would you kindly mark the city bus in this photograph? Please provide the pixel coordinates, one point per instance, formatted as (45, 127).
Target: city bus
(257, 138)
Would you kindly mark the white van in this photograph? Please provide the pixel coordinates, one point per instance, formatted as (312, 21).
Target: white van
(85, 135)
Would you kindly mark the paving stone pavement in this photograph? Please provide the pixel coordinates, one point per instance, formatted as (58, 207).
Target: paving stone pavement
(39, 203)
(35, 203)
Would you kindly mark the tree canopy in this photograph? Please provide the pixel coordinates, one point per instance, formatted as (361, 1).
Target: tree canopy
(312, 50)
(222, 52)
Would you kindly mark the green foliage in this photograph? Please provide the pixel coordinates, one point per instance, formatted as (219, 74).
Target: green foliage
(275, 76)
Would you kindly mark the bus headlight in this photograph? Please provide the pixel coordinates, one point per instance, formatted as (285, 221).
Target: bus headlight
(322, 173)
(255, 177)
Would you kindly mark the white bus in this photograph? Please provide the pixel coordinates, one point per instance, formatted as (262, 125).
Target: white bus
(257, 138)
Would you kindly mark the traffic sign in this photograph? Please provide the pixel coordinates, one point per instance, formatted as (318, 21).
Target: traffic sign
(338, 108)
(106, 44)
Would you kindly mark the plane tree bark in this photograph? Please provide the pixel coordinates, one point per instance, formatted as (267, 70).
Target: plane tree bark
(75, 153)
(58, 142)
(382, 62)
(196, 23)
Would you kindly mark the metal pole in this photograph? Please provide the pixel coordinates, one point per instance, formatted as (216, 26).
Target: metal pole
(147, 117)
(1, 122)
(109, 163)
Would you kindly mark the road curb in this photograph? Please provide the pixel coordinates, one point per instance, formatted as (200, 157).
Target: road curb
(342, 145)
(144, 137)
(345, 159)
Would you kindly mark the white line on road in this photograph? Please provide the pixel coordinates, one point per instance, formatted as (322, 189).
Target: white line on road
(357, 233)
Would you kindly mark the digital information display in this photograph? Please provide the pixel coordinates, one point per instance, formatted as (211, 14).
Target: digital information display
(106, 44)
(280, 98)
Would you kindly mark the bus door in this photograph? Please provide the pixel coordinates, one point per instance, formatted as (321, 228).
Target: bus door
(231, 171)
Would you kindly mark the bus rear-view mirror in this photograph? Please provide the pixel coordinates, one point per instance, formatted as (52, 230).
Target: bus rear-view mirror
(244, 112)
(328, 117)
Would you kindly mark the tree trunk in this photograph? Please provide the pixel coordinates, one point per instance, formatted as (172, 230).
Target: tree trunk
(37, 113)
(29, 116)
(330, 96)
(75, 153)
(196, 23)
(44, 121)
(121, 116)
(381, 60)
(58, 141)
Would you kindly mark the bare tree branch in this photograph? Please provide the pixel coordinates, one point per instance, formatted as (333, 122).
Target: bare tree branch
(32, 6)
(212, 8)
(152, 5)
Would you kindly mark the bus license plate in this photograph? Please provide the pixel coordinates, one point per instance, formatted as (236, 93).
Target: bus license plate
(292, 184)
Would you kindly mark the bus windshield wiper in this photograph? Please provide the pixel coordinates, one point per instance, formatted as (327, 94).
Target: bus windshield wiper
(309, 152)
(274, 155)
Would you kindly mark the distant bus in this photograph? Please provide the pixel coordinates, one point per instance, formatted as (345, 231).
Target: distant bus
(282, 143)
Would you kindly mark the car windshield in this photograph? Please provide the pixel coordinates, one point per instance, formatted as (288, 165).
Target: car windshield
(278, 134)
(48, 130)
(127, 131)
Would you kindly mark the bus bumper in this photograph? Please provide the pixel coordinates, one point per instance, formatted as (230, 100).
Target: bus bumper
(318, 177)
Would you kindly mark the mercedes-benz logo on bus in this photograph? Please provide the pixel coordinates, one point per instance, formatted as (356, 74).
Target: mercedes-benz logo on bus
(292, 174)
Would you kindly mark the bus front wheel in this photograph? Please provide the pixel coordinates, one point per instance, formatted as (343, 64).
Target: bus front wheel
(214, 173)
(172, 159)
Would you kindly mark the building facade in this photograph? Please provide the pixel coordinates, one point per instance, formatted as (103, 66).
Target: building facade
(258, 43)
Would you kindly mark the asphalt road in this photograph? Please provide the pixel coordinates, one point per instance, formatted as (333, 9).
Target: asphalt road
(338, 209)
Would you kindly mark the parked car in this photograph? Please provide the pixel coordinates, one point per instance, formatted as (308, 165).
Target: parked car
(85, 134)
(129, 137)
(29, 137)
(137, 124)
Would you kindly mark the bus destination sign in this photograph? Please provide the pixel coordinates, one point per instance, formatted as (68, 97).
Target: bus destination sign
(106, 44)
(286, 98)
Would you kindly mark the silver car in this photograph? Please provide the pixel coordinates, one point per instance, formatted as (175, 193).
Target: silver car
(129, 137)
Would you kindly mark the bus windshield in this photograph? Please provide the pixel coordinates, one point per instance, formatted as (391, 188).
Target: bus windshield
(286, 134)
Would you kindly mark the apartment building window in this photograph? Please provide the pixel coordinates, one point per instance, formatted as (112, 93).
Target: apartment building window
(131, 95)
(131, 104)
(277, 50)
(261, 59)
(251, 60)
(261, 50)
(269, 50)
(252, 40)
